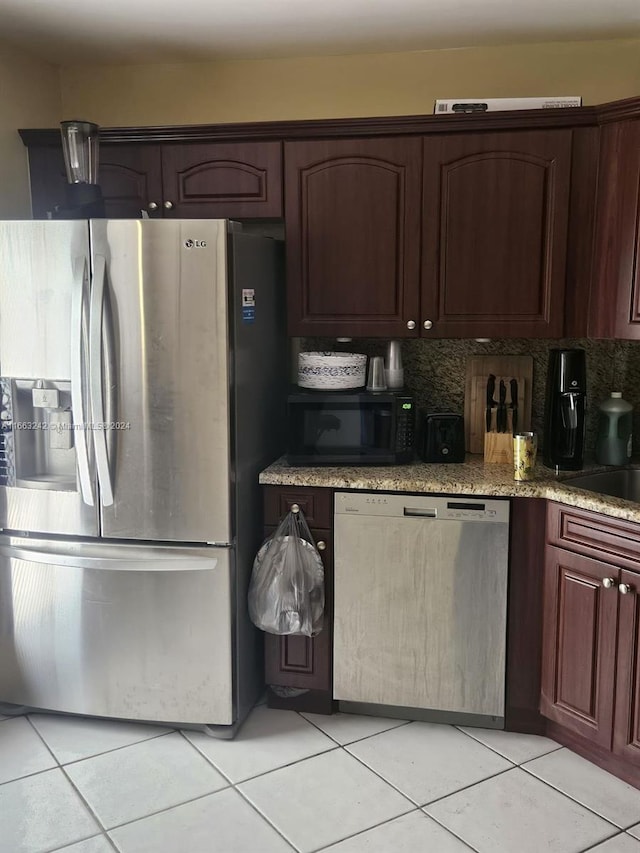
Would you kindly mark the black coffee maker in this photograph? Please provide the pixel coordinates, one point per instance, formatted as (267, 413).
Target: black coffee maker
(564, 417)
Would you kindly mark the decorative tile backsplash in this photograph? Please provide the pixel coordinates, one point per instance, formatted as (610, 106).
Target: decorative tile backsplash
(435, 371)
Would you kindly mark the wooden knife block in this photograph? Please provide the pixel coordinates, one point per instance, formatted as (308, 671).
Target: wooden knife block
(504, 367)
(498, 447)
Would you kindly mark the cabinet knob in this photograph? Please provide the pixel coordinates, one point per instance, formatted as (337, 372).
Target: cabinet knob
(294, 508)
(168, 205)
(152, 205)
(321, 545)
(625, 588)
(607, 583)
(427, 324)
(411, 324)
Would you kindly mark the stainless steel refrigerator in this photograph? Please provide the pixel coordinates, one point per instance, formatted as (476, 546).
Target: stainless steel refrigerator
(143, 374)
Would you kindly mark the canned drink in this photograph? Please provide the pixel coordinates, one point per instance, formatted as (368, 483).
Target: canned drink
(525, 446)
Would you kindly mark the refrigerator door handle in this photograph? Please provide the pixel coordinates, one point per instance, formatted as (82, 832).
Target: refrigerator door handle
(78, 560)
(79, 361)
(99, 427)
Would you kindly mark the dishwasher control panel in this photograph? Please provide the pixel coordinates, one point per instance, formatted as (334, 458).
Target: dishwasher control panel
(444, 508)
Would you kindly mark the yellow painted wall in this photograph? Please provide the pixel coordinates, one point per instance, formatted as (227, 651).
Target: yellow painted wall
(345, 86)
(29, 97)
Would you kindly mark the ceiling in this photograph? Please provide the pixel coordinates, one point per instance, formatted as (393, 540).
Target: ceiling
(150, 31)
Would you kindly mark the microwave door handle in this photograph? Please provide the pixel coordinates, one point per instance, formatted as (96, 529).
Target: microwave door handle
(97, 379)
(79, 361)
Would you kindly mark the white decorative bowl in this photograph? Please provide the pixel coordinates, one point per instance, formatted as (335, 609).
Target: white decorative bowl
(331, 371)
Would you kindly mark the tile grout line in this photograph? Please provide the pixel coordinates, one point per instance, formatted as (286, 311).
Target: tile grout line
(29, 775)
(362, 831)
(574, 800)
(233, 786)
(264, 772)
(90, 838)
(265, 818)
(548, 784)
(47, 747)
(104, 752)
(229, 786)
(380, 776)
(449, 830)
(424, 805)
(103, 831)
(401, 724)
(467, 787)
(58, 764)
(517, 763)
(167, 809)
(597, 844)
(89, 808)
(391, 820)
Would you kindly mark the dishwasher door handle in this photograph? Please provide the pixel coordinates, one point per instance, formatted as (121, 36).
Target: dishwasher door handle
(413, 512)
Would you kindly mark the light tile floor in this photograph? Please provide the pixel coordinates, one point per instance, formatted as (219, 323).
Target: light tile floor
(294, 782)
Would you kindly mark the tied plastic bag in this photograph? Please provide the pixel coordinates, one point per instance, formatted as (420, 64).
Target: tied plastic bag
(286, 593)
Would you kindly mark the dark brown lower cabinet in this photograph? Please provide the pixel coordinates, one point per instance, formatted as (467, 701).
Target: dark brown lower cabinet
(578, 659)
(591, 638)
(626, 733)
(303, 663)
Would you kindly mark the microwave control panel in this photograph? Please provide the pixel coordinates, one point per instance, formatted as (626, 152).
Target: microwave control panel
(405, 424)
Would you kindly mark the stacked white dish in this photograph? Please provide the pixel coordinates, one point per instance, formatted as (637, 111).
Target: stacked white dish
(331, 371)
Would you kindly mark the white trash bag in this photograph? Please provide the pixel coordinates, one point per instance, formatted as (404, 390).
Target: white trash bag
(286, 593)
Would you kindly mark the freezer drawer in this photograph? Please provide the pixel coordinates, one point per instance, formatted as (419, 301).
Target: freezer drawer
(135, 632)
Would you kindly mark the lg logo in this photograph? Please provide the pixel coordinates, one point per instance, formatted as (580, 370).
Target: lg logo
(195, 244)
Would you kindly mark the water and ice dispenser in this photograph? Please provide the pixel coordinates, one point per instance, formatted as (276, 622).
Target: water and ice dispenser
(37, 447)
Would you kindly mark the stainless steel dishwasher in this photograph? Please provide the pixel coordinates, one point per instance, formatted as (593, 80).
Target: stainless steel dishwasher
(421, 606)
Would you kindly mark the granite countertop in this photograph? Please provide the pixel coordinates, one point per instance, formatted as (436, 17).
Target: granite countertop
(471, 477)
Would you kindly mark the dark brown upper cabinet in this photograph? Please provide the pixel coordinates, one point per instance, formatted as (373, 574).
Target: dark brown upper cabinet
(615, 296)
(228, 180)
(130, 177)
(207, 180)
(131, 180)
(352, 219)
(47, 179)
(494, 238)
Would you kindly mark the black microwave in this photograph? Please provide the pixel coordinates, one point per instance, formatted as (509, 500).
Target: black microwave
(350, 427)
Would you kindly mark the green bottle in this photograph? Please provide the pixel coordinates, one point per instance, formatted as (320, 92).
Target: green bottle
(613, 444)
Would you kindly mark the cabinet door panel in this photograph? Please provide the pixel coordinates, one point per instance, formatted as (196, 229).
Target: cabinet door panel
(495, 230)
(47, 178)
(305, 662)
(352, 228)
(130, 178)
(578, 664)
(626, 735)
(615, 301)
(226, 180)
